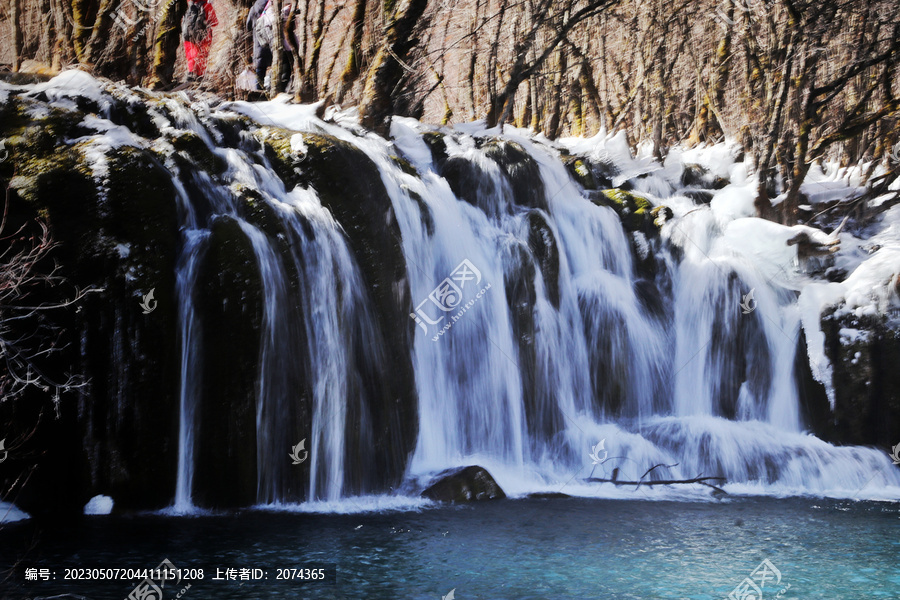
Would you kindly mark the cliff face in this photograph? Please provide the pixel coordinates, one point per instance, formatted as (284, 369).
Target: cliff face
(135, 194)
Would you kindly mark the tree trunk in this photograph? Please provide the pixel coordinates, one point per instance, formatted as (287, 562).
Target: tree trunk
(100, 33)
(48, 33)
(165, 47)
(707, 126)
(15, 19)
(387, 70)
(276, 85)
(556, 99)
(354, 55)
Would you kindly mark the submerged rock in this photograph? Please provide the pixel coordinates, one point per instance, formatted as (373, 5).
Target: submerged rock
(464, 484)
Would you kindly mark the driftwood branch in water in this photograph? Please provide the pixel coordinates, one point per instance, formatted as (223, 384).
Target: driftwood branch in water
(640, 482)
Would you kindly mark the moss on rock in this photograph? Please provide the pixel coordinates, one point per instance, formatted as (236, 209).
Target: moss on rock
(634, 210)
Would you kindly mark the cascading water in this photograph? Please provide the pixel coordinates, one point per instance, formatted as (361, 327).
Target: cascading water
(540, 325)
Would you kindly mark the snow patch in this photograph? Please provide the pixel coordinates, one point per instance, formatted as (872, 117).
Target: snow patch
(99, 505)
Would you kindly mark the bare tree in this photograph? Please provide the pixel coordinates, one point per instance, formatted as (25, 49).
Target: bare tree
(28, 338)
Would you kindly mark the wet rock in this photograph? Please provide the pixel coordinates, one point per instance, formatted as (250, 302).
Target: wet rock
(471, 183)
(634, 210)
(465, 484)
(699, 176)
(521, 171)
(438, 146)
(543, 246)
(864, 353)
(698, 197)
(349, 185)
(117, 236)
(592, 174)
(229, 306)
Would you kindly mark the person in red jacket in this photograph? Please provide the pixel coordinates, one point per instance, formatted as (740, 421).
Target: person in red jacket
(196, 29)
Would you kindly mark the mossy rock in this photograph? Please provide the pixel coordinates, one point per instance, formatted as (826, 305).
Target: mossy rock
(633, 210)
(276, 144)
(591, 174)
(118, 236)
(466, 484)
(581, 172)
(661, 215)
(192, 147)
(404, 165)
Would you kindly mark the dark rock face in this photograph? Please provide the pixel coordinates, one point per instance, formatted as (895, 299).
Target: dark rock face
(474, 184)
(521, 171)
(349, 185)
(466, 484)
(118, 234)
(117, 434)
(229, 304)
(471, 183)
(864, 360)
(815, 411)
(543, 245)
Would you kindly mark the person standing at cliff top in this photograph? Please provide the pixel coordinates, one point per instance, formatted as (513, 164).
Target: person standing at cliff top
(196, 29)
(261, 21)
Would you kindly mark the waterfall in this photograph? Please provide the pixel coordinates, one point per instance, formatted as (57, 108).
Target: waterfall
(189, 367)
(469, 302)
(536, 332)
